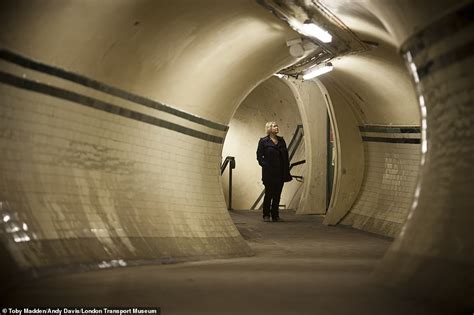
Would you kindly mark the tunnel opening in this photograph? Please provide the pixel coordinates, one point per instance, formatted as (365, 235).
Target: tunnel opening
(270, 101)
(305, 125)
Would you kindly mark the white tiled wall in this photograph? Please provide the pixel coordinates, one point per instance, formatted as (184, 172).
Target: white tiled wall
(391, 172)
(73, 174)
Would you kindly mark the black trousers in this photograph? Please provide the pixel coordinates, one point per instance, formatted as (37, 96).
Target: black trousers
(271, 201)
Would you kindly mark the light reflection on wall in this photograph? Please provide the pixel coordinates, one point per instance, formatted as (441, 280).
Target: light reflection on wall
(13, 226)
(424, 126)
(112, 263)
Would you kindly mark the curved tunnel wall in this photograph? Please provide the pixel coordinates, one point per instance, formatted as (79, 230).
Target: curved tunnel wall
(433, 253)
(289, 102)
(374, 91)
(160, 49)
(388, 129)
(96, 175)
(312, 104)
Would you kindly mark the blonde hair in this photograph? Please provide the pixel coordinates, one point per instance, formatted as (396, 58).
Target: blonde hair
(268, 126)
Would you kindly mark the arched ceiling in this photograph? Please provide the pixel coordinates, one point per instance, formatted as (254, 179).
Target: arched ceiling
(203, 57)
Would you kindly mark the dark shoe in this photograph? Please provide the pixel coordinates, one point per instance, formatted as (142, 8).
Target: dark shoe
(277, 219)
(266, 218)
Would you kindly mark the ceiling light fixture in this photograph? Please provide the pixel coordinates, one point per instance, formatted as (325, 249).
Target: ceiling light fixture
(316, 71)
(310, 29)
(296, 47)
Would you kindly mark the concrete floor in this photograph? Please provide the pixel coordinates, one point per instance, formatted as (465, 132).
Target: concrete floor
(300, 267)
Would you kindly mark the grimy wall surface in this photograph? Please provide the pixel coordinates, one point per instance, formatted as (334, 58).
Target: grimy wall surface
(95, 170)
(434, 252)
(312, 104)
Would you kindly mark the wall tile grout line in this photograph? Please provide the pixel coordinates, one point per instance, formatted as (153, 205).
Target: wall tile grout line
(392, 140)
(389, 129)
(82, 80)
(18, 82)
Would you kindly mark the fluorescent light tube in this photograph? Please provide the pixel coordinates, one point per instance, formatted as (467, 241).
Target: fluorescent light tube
(313, 30)
(316, 71)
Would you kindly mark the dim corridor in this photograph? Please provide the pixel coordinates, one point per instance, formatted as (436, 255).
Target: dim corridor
(300, 267)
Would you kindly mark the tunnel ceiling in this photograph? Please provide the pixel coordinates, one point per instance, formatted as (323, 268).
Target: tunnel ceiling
(215, 50)
(354, 9)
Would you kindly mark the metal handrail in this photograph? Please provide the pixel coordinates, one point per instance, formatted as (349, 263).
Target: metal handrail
(298, 178)
(224, 164)
(297, 163)
(229, 160)
(297, 131)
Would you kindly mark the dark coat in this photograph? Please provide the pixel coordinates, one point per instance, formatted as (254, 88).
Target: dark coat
(273, 158)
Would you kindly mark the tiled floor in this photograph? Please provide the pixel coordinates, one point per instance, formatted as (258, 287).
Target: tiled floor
(300, 267)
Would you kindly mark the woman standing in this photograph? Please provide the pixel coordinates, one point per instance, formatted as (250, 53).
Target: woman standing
(272, 155)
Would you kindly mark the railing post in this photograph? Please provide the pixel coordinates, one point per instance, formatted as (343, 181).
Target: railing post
(230, 188)
(229, 160)
(231, 167)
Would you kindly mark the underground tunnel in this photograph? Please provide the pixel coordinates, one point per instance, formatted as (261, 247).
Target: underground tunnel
(116, 118)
